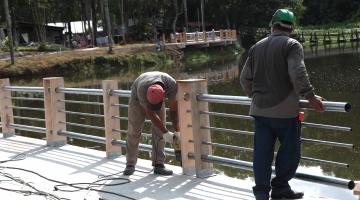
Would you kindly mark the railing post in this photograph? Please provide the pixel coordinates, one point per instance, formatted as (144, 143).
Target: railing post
(111, 123)
(357, 189)
(52, 105)
(204, 36)
(7, 116)
(190, 123)
(213, 35)
(221, 34)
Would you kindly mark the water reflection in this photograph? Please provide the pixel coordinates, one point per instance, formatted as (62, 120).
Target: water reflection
(335, 75)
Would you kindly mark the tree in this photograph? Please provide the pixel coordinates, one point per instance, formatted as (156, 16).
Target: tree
(108, 24)
(9, 30)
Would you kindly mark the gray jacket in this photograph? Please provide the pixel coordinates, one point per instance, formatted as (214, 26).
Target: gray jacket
(274, 76)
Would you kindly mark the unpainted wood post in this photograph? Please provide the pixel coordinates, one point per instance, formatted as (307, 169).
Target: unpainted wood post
(221, 34)
(53, 116)
(190, 123)
(185, 37)
(234, 34)
(204, 36)
(7, 116)
(213, 34)
(357, 188)
(111, 123)
(196, 36)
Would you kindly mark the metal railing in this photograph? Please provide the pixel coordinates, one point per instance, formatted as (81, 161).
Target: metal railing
(225, 99)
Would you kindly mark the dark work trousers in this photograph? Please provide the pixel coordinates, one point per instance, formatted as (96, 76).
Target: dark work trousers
(136, 119)
(267, 130)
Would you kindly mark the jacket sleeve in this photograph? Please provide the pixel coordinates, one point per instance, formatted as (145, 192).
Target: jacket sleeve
(246, 77)
(297, 71)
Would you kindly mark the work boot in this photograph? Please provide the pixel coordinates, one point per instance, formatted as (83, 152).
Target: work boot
(129, 170)
(160, 169)
(290, 194)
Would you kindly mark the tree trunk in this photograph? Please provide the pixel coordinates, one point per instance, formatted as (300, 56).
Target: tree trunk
(94, 22)
(123, 22)
(185, 15)
(70, 34)
(176, 16)
(8, 20)
(202, 16)
(108, 24)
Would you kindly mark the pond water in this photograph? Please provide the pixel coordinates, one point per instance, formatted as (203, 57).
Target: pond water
(335, 75)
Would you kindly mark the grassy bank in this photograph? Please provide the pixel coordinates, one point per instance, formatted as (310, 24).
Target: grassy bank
(81, 64)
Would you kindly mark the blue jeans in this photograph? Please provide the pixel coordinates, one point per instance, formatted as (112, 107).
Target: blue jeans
(267, 130)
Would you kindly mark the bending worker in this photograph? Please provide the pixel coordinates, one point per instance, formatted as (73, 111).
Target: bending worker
(274, 76)
(147, 99)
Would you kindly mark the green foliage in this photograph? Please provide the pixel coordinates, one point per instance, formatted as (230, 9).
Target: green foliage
(5, 44)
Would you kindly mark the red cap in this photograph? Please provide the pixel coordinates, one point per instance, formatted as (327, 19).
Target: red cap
(155, 94)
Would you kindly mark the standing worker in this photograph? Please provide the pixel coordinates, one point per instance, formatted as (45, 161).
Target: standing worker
(274, 76)
(147, 99)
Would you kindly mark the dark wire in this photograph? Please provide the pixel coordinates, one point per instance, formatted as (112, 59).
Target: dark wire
(62, 184)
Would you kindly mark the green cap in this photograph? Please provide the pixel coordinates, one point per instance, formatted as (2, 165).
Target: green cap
(283, 17)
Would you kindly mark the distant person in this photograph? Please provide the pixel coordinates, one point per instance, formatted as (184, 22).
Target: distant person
(274, 76)
(148, 93)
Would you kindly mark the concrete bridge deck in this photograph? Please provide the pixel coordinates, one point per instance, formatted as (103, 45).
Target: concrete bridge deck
(74, 164)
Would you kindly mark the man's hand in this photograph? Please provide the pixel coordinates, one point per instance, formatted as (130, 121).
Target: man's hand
(168, 137)
(316, 103)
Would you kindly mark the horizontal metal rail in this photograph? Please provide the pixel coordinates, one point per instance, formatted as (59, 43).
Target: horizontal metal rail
(87, 91)
(28, 128)
(228, 130)
(329, 143)
(120, 105)
(24, 89)
(81, 136)
(29, 118)
(26, 98)
(146, 121)
(80, 113)
(306, 124)
(329, 106)
(325, 126)
(249, 166)
(82, 125)
(121, 93)
(27, 108)
(144, 147)
(82, 102)
(246, 149)
(242, 100)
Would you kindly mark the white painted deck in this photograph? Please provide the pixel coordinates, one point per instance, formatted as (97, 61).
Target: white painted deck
(74, 164)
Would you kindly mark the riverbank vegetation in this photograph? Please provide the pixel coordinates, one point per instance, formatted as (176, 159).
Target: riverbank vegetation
(82, 64)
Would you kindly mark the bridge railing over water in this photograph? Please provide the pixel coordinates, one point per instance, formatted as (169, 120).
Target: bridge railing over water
(226, 35)
(193, 99)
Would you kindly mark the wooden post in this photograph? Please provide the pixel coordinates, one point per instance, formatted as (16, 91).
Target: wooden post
(196, 36)
(357, 188)
(221, 34)
(190, 122)
(213, 35)
(204, 36)
(52, 106)
(111, 123)
(7, 116)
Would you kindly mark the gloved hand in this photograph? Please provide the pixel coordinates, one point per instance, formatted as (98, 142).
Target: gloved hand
(168, 137)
